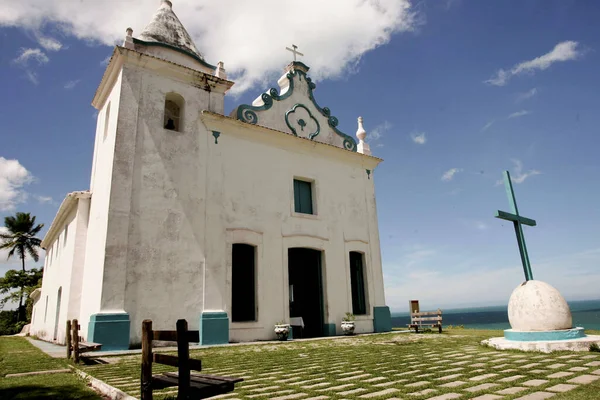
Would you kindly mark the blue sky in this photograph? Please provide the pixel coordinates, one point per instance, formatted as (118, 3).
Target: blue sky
(452, 93)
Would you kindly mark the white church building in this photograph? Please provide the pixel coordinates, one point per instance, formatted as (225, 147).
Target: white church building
(234, 223)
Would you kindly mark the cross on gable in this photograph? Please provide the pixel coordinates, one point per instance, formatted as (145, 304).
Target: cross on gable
(518, 221)
(295, 51)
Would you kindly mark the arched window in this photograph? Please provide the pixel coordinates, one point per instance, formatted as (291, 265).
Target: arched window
(106, 121)
(357, 283)
(243, 283)
(173, 113)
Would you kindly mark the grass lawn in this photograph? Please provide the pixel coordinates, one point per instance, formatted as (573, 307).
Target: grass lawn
(17, 355)
(387, 366)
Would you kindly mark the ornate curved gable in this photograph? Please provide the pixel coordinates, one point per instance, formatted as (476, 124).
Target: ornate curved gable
(293, 109)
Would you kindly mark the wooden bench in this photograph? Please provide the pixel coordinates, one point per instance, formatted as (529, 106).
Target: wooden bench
(419, 319)
(189, 386)
(75, 346)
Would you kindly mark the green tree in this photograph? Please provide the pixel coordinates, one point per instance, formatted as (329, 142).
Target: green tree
(20, 239)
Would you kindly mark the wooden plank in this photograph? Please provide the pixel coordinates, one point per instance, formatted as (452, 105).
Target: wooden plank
(173, 361)
(75, 341)
(161, 382)
(438, 312)
(224, 378)
(147, 381)
(198, 378)
(183, 353)
(417, 319)
(68, 339)
(171, 336)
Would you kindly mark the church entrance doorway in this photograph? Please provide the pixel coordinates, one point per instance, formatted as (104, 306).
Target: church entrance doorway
(58, 300)
(306, 290)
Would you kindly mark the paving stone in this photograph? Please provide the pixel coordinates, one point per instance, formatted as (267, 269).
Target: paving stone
(352, 373)
(453, 384)
(454, 369)
(438, 367)
(596, 372)
(487, 397)
(530, 365)
(378, 394)
(563, 387)
(555, 366)
(537, 371)
(316, 385)
(318, 398)
(353, 391)
(578, 369)
(408, 373)
(349, 378)
(377, 378)
(447, 377)
(383, 384)
(289, 396)
(584, 379)
(508, 370)
(511, 390)
(460, 363)
(447, 396)
(484, 386)
(511, 378)
(476, 365)
(537, 396)
(423, 376)
(559, 375)
(423, 392)
(589, 357)
(262, 394)
(417, 384)
(264, 389)
(340, 387)
(482, 377)
(534, 382)
(500, 366)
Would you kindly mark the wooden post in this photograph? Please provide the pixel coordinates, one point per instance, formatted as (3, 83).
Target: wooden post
(68, 338)
(75, 340)
(146, 378)
(183, 356)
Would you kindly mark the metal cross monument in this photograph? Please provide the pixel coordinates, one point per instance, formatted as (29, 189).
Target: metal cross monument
(518, 221)
(295, 51)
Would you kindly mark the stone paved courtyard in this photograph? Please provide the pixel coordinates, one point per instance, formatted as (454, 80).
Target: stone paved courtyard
(390, 366)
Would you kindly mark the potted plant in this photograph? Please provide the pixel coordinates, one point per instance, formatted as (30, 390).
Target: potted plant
(282, 330)
(348, 324)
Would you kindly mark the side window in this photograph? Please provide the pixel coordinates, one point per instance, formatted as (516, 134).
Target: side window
(66, 233)
(357, 283)
(172, 118)
(303, 196)
(243, 283)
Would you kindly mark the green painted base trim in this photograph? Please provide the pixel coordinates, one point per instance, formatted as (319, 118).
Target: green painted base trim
(522, 336)
(382, 319)
(214, 328)
(110, 330)
(330, 330)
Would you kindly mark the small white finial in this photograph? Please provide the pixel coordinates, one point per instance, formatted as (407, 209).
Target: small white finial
(167, 2)
(128, 42)
(361, 134)
(220, 71)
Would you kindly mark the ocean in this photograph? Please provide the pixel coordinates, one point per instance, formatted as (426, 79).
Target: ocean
(585, 313)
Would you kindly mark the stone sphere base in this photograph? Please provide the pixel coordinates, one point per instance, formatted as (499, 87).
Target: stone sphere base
(534, 336)
(544, 346)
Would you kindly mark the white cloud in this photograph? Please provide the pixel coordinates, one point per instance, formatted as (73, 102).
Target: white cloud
(377, 132)
(13, 176)
(71, 84)
(49, 43)
(563, 51)
(32, 77)
(518, 176)
(518, 114)
(449, 175)
(488, 125)
(27, 55)
(482, 226)
(249, 36)
(418, 137)
(526, 95)
(44, 199)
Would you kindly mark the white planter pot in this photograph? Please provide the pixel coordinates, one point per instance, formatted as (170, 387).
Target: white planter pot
(348, 327)
(282, 331)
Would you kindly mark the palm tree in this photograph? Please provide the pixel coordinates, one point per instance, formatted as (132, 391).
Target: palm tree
(20, 238)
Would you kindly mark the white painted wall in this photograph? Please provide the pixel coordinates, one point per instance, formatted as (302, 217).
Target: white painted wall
(62, 270)
(99, 204)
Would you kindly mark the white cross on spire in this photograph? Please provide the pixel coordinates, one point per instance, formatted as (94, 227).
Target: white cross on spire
(295, 51)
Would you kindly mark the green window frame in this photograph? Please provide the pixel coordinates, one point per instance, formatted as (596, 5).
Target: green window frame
(243, 283)
(357, 283)
(303, 197)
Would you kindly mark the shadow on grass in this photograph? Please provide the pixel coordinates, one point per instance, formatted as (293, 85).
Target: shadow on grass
(45, 392)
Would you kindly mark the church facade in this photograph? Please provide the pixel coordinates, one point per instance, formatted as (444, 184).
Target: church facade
(234, 223)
